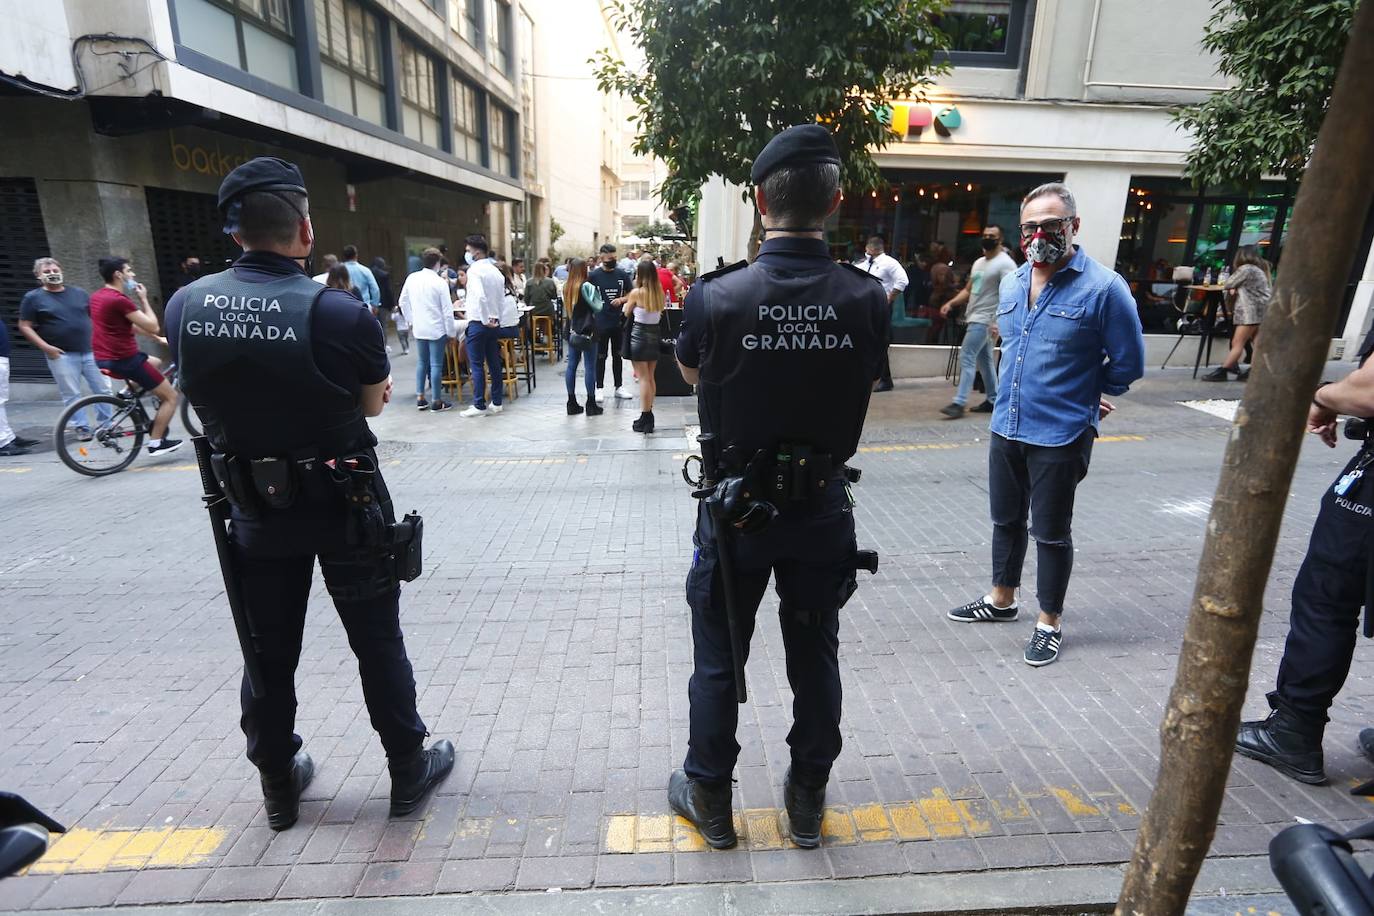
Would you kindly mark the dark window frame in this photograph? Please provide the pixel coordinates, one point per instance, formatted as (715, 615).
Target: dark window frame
(510, 140)
(409, 45)
(289, 34)
(1018, 27)
(505, 26)
(324, 40)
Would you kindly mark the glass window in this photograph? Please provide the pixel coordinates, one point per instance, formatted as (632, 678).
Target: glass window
(501, 45)
(636, 190)
(470, 26)
(351, 59)
(500, 140)
(419, 95)
(984, 33)
(467, 123)
(1214, 237)
(1257, 226)
(253, 35)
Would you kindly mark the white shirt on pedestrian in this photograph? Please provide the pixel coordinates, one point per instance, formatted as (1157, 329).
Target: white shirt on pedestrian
(888, 271)
(426, 305)
(486, 290)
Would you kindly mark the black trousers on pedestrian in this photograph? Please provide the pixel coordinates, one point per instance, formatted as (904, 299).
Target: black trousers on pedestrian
(608, 341)
(1039, 480)
(810, 553)
(274, 559)
(1330, 589)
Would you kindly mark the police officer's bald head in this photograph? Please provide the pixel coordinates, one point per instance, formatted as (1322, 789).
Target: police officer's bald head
(797, 176)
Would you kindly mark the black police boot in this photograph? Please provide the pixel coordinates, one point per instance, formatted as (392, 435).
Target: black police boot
(1286, 743)
(594, 409)
(805, 809)
(706, 806)
(281, 792)
(574, 408)
(416, 773)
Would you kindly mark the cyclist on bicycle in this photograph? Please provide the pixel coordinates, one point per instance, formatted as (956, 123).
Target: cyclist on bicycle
(114, 319)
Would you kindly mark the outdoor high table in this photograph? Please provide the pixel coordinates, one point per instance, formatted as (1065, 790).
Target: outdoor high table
(1213, 304)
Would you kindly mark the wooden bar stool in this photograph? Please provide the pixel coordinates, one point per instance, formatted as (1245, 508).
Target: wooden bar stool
(543, 324)
(510, 367)
(456, 373)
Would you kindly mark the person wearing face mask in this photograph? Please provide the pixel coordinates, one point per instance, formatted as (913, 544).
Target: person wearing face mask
(615, 285)
(980, 296)
(115, 318)
(56, 319)
(284, 374)
(484, 306)
(1070, 334)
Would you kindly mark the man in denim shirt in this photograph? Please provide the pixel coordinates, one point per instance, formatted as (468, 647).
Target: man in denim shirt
(1070, 334)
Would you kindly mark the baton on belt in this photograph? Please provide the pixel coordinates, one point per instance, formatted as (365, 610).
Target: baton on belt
(218, 507)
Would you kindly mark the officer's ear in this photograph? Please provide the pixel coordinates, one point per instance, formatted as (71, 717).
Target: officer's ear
(835, 203)
(307, 233)
(238, 241)
(760, 201)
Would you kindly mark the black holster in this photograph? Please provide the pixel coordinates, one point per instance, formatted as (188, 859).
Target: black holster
(252, 485)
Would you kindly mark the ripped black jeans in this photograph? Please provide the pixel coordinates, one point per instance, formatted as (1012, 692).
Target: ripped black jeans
(1039, 480)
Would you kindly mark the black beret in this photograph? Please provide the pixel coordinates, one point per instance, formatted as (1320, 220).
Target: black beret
(261, 174)
(803, 145)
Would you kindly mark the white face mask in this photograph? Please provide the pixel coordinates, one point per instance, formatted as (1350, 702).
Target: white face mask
(52, 277)
(467, 256)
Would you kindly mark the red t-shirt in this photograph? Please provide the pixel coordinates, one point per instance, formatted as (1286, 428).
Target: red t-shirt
(112, 334)
(665, 279)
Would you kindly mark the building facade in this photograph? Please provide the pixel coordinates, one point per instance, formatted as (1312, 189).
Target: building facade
(407, 118)
(1068, 90)
(578, 127)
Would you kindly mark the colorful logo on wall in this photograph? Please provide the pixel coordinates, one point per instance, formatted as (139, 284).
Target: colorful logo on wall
(907, 120)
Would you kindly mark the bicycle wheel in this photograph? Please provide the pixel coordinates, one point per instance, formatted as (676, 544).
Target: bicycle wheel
(189, 420)
(111, 445)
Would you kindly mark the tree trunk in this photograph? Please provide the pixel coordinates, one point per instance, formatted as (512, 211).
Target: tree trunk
(1198, 732)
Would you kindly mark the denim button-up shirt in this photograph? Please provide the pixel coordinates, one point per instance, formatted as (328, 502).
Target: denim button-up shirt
(1081, 341)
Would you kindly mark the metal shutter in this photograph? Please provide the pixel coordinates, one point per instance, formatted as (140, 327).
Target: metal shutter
(185, 223)
(22, 240)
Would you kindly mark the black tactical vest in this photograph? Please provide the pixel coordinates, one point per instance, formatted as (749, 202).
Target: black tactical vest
(791, 356)
(247, 366)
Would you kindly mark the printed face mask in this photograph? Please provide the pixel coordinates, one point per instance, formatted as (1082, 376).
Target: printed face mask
(52, 277)
(1044, 248)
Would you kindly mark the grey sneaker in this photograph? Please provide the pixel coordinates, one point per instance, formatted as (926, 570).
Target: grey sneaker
(984, 610)
(1043, 648)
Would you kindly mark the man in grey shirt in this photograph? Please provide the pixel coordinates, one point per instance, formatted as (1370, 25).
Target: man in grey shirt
(981, 295)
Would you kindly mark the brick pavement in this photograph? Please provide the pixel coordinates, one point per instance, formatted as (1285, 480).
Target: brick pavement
(552, 643)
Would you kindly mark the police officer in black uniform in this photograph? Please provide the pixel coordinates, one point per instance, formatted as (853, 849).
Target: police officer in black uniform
(784, 352)
(1336, 579)
(283, 373)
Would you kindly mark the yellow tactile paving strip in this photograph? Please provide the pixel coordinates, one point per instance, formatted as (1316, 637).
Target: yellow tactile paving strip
(936, 816)
(81, 850)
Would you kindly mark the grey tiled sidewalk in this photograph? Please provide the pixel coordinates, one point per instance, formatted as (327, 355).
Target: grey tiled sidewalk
(552, 643)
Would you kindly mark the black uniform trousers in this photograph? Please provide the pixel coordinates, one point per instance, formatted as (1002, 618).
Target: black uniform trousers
(1328, 593)
(810, 552)
(275, 560)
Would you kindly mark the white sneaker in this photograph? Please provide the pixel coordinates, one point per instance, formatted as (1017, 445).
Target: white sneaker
(495, 408)
(473, 412)
(602, 393)
(623, 394)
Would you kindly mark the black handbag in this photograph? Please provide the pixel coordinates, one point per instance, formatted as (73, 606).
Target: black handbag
(579, 341)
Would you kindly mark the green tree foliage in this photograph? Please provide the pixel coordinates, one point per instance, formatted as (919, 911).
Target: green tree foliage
(653, 229)
(1281, 58)
(723, 76)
